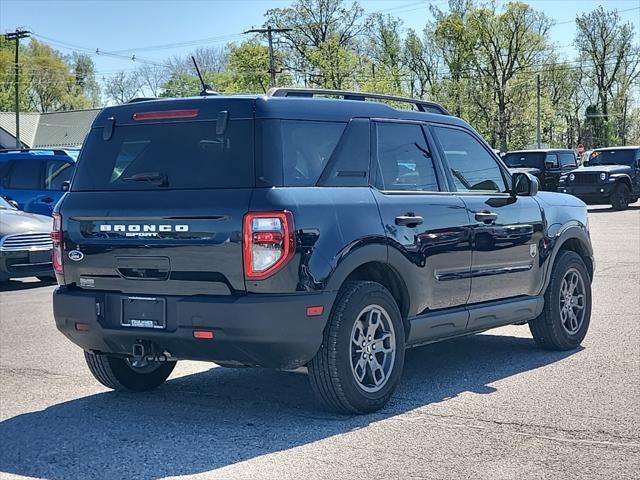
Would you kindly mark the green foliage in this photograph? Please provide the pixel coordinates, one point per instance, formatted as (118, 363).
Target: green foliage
(48, 81)
(479, 59)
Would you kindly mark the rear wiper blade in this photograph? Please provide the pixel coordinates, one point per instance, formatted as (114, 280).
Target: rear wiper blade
(154, 177)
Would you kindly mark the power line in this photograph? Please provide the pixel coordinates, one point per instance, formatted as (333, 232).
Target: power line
(617, 11)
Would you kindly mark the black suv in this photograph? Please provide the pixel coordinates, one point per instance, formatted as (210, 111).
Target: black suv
(279, 231)
(611, 176)
(547, 165)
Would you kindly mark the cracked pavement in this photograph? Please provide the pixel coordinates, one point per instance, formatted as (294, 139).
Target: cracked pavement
(489, 406)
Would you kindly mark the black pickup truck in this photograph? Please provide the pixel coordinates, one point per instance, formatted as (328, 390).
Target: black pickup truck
(291, 231)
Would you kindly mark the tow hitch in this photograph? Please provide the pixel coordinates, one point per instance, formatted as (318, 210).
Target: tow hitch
(146, 351)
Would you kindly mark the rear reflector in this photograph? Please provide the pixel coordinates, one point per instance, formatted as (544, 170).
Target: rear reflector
(82, 327)
(206, 334)
(315, 311)
(58, 249)
(167, 114)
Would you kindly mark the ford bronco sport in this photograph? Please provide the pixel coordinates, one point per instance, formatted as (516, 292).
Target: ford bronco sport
(280, 231)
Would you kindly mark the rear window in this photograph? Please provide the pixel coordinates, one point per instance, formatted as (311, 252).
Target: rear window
(180, 155)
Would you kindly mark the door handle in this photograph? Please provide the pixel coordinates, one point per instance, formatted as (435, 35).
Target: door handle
(46, 199)
(486, 217)
(409, 220)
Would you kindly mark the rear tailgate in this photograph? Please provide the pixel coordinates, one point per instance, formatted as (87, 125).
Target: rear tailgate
(162, 243)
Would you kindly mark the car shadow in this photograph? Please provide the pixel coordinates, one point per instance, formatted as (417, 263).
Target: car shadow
(25, 284)
(202, 422)
(611, 209)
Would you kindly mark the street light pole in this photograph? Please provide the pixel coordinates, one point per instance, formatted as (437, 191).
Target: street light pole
(17, 35)
(272, 62)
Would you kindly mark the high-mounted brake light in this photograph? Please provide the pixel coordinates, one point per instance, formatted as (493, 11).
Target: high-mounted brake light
(166, 114)
(56, 237)
(269, 243)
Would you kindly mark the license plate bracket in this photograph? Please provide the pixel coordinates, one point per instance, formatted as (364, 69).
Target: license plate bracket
(144, 312)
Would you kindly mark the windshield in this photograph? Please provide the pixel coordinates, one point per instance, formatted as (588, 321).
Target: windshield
(4, 205)
(524, 159)
(178, 155)
(612, 157)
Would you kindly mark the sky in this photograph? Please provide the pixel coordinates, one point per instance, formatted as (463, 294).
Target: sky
(139, 27)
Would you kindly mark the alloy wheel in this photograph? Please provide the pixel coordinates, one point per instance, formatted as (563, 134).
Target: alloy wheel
(373, 348)
(572, 301)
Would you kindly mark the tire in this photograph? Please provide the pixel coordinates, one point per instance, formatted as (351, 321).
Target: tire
(552, 330)
(621, 197)
(333, 371)
(118, 374)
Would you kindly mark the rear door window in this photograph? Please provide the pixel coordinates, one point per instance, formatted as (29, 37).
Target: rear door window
(56, 172)
(180, 155)
(25, 175)
(404, 160)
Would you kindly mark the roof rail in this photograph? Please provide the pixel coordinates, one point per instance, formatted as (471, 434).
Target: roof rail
(56, 151)
(142, 99)
(421, 105)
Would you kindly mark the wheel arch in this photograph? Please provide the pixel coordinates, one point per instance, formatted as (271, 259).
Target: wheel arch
(626, 179)
(573, 239)
(388, 277)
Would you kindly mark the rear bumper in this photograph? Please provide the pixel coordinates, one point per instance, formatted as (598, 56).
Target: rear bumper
(254, 330)
(18, 264)
(589, 193)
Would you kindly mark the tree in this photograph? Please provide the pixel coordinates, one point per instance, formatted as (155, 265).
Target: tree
(7, 79)
(422, 64)
(452, 37)
(248, 64)
(385, 54)
(84, 72)
(209, 59)
(122, 87)
(320, 47)
(507, 46)
(607, 45)
(151, 78)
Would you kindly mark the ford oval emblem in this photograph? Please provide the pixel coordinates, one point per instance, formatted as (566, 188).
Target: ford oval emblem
(76, 255)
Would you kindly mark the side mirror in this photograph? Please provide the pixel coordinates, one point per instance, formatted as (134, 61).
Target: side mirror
(550, 164)
(524, 184)
(585, 163)
(65, 186)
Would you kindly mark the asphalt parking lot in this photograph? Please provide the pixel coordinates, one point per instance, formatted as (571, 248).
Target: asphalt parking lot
(489, 406)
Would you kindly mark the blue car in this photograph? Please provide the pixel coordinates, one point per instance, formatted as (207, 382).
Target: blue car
(35, 179)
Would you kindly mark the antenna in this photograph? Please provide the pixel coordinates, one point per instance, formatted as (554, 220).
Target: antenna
(206, 89)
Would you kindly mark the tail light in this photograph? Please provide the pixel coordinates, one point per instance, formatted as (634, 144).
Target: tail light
(269, 243)
(56, 237)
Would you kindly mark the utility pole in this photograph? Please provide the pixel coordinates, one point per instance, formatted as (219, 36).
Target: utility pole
(272, 61)
(538, 108)
(17, 35)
